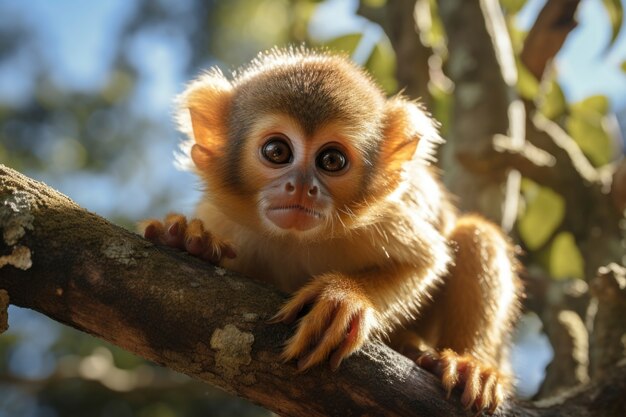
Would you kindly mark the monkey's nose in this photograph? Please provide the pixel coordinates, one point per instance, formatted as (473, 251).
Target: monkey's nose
(313, 190)
(289, 187)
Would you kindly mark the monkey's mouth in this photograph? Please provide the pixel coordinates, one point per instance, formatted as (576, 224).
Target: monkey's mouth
(294, 216)
(297, 207)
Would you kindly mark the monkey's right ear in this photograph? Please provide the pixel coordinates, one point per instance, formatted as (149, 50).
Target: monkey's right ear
(409, 133)
(203, 115)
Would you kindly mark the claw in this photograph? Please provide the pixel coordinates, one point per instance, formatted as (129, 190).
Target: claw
(482, 387)
(152, 231)
(348, 344)
(332, 331)
(228, 251)
(194, 245)
(289, 312)
(173, 230)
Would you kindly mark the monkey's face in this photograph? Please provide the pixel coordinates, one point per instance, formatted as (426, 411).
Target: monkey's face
(304, 182)
(300, 144)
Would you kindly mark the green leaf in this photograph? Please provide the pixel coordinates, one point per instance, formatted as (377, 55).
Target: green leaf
(518, 36)
(565, 260)
(615, 10)
(345, 43)
(527, 84)
(596, 106)
(543, 213)
(586, 126)
(593, 140)
(432, 32)
(512, 6)
(382, 65)
(374, 3)
(441, 107)
(553, 103)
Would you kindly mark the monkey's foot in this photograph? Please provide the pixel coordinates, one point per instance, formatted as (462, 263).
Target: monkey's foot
(339, 322)
(483, 387)
(190, 236)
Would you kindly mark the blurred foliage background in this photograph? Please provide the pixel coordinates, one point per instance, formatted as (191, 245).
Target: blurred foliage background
(86, 92)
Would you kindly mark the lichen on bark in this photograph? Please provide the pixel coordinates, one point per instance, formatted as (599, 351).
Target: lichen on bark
(233, 349)
(15, 216)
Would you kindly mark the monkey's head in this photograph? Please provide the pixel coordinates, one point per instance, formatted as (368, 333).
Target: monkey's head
(299, 143)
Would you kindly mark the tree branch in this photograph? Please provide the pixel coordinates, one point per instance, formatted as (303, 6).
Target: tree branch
(185, 314)
(555, 21)
(482, 97)
(204, 321)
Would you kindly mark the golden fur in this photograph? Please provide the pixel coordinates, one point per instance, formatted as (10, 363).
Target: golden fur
(390, 256)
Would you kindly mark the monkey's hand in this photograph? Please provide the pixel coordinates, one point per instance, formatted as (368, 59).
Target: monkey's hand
(483, 388)
(190, 236)
(340, 320)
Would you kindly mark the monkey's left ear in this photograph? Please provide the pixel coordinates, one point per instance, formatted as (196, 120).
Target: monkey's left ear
(409, 134)
(207, 101)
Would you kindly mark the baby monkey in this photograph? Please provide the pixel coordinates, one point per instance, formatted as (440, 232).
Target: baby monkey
(317, 183)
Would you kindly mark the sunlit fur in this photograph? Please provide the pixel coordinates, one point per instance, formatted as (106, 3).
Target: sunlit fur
(392, 256)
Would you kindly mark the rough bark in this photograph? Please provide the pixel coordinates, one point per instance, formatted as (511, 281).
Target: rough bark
(472, 168)
(414, 73)
(4, 304)
(206, 322)
(605, 319)
(398, 20)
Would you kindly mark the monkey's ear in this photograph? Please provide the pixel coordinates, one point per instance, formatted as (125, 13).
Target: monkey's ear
(203, 115)
(409, 134)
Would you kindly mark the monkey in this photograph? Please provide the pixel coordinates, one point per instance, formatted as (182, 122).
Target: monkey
(316, 182)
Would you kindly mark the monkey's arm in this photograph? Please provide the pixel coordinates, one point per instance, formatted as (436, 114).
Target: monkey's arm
(345, 309)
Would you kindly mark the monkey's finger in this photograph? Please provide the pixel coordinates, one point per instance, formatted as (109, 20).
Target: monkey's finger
(175, 228)
(353, 340)
(289, 311)
(491, 393)
(431, 362)
(472, 385)
(196, 239)
(152, 230)
(497, 397)
(487, 397)
(332, 337)
(228, 250)
(201, 243)
(213, 251)
(309, 330)
(168, 233)
(449, 373)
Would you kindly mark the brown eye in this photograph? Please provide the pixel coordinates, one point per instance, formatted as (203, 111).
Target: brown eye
(277, 151)
(331, 160)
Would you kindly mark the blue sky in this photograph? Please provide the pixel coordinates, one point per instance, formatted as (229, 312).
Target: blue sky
(76, 40)
(63, 31)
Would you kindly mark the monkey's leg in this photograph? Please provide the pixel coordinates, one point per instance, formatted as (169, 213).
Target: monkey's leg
(473, 315)
(190, 236)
